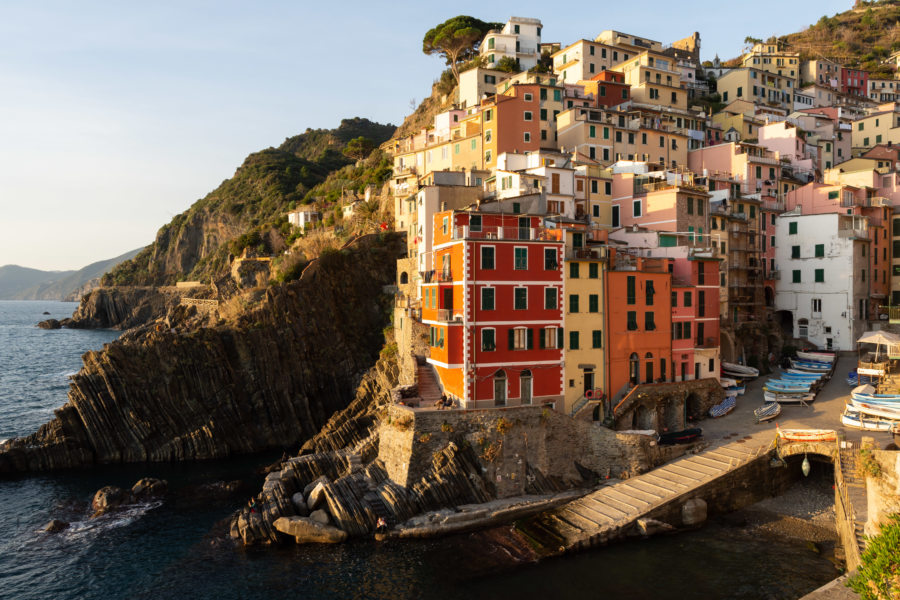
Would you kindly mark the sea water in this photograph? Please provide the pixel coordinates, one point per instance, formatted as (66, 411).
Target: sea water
(176, 548)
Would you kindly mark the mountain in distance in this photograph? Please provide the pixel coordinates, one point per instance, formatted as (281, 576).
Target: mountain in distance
(22, 283)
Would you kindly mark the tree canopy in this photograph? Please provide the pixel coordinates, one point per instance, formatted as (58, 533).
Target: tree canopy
(456, 39)
(359, 147)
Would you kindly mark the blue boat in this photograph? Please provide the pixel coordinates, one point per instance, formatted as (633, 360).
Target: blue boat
(802, 376)
(815, 367)
(779, 386)
(723, 408)
(866, 393)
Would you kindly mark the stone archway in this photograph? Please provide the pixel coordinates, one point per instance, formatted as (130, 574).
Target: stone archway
(693, 407)
(673, 414)
(642, 418)
(726, 346)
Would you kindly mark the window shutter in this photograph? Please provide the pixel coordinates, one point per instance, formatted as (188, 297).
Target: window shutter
(559, 337)
(512, 339)
(530, 338)
(541, 341)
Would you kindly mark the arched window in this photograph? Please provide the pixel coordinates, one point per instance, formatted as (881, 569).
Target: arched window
(404, 278)
(634, 368)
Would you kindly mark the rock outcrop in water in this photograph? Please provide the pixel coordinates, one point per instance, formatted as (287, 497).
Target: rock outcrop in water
(269, 380)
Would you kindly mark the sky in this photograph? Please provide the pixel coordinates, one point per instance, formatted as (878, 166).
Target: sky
(116, 116)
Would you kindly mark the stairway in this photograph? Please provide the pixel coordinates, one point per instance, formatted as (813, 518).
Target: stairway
(381, 511)
(429, 390)
(606, 513)
(856, 493)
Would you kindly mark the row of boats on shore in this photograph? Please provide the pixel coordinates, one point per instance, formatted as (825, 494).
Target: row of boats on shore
(872, 411)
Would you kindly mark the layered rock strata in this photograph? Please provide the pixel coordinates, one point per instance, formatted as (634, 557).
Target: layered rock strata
(269, 380)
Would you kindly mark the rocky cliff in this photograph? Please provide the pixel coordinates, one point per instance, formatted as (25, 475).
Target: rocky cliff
(270, 379)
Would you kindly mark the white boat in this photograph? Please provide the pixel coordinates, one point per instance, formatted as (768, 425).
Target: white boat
(853, 418)
(798, 374)
(727, 382)
(808, 435)
(788, 398)
(825, 357)
(767, 412)
(739, 371)
(877, 410)
(811, 367)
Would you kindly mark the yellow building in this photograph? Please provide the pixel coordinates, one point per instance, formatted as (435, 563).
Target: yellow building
(773, 58)
(584, 275)
(878, 128)
(757, 86)
(654, 80)
(584, 59)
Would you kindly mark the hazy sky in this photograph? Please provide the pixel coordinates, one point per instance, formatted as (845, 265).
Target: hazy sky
(116, 116)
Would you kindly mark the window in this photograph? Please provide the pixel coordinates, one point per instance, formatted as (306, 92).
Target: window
(596, 338)
(795, 251)
(820, 250)
(690, 206)
(636, 208)
(752, 212)
(792, 228)
(487, 257)
(521, 259)
(550, 295)
(629, 294)
(573, 303)
(550, 259)
(688, 299)
(649, 324)
(632, 320)
(649, 292)
(557, 95)
(573, 340)
(526, 137)
(592, 131)
(528, 97)
(475, 223)
(521, 338)
(445, 225)
(551, 337)
(817, 305)
(543, 93)
(488, 340)
(687, 331)
(573, 270)
(593, 303)
(520, 298)
(528, 115)
(593, 268)
(615, 216)
(795, 276)
(820, 275)
(699, 206)
(487, 298)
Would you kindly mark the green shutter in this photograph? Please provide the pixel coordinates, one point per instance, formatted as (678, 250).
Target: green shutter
(559, 337)
(512, 339)
(530, 339)
(541, 340)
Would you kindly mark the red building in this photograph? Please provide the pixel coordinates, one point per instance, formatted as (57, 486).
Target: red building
(854, 82)
(494, 306)
(608, 89)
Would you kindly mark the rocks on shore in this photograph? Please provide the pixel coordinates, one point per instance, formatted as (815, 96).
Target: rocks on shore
(110, 497)
(50, 324)
(55, 526)
(310, 530)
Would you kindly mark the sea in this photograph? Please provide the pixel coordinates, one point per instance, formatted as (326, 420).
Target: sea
(175, 548)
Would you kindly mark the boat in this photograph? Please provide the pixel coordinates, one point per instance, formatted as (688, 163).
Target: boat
(825, 357)
(739, 371)
(724, 407)
(731, 393)
(680, 437)
(852, 378)
(813, 367)
(727, 382)
(808, 435)
(736, 390)
(779, 385)
(813, 377)
(785, 398)
(767, 411)
(875, 409)
(866, 393)
(853, 418)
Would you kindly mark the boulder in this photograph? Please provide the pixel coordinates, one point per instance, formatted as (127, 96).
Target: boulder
(693, 512)
(307, 530)
(108, 498)
(55, 526)
(299, 504)
(148, 486)
(320, 516)
(648, 527)
(311, 486)
(316, 496)
(50, 324)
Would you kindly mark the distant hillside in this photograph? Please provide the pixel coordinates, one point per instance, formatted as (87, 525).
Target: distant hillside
(22, 283)
(861, 37)
(251, 207)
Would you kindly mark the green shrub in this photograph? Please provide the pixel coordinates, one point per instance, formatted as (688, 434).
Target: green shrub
(878, 577)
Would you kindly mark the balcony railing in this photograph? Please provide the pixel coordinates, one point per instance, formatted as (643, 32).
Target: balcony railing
(706, 343)
(859, 233)
(448, 315)
(583, 253)
(500, 233)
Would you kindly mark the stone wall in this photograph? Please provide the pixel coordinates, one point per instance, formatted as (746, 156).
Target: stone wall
(668, 406)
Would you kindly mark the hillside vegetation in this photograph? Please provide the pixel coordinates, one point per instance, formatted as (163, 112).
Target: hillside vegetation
(250, 208)
(862, 37)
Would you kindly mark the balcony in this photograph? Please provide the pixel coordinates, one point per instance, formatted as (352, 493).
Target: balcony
(463, 232)
(860, 233)
(776, 274)
(585, 254)
(448, 315)
(706, 343)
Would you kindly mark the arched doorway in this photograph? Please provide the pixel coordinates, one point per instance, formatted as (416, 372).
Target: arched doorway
(404, 278)
(634, 368)
(770, 296)
(693, 408)
(500, 388)
(642, 418)
(525, 387)
(648, 366)
(673, 415)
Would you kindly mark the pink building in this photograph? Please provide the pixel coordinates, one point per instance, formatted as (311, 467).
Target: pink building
(755, 166)
(788, 142)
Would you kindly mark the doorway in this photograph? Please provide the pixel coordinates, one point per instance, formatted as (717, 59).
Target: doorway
(500, 388)
(526, 387)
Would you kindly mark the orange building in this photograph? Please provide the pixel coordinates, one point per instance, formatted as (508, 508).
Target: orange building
(638, 320)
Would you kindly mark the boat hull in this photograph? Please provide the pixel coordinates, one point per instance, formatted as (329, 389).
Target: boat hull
(767, 412)
(823, 357)
(858, 420)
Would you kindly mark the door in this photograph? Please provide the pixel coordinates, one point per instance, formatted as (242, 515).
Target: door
(500, 389)
(554, 183)
(588, 381)
(684, 371)
(525, 384)
(696, 370)
(448, 301)
(524, 228)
